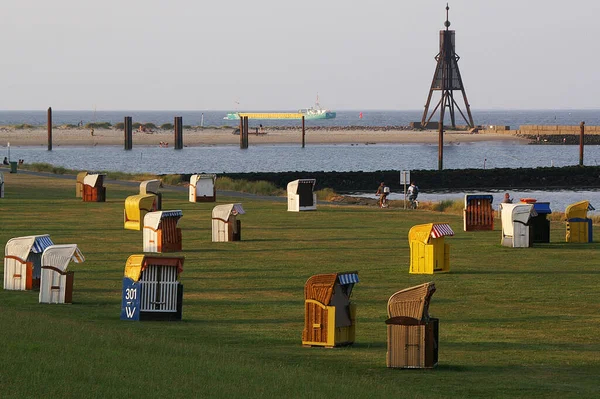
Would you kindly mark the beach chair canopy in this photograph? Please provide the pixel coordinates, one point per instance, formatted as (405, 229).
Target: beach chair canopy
(136, 206)
(425, 232)
(301, 186)
(223, 212)
(320, 287)
(542, 208)
(91, 180)
(59, 256)
(20, 247)
(511, 213)
(149, 186)
(411, 302)
(475, 197)
(152, 219)
(136, 264)
(578, 210)
(140, 202)
(202, 176)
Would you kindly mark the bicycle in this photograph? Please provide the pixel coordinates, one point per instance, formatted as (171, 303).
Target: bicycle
(384, 202)
(412, 202)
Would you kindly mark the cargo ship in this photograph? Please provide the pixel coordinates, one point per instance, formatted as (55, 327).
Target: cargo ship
(316, 112)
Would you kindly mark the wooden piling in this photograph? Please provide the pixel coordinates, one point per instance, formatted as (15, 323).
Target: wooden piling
(303, 132)
(244, 133)
(178, 132)
(128, 132)
(49, 128)
(581, 134)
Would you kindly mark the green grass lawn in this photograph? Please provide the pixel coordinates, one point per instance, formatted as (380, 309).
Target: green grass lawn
(520, 322)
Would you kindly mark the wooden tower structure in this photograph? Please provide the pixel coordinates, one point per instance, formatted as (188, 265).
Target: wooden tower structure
(447, 79)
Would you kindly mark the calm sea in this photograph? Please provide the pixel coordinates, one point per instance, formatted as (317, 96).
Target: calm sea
(514, 118)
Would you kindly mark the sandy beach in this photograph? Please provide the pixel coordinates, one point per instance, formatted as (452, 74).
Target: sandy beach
(224, 136)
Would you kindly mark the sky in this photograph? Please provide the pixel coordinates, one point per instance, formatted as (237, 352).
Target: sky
(278, 55)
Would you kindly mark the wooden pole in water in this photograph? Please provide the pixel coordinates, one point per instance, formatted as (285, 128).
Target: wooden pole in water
(127, 130)
(581, 133)
(246, 130)
(303, 132)
(242, 132)
(178, 132)
(49, 128)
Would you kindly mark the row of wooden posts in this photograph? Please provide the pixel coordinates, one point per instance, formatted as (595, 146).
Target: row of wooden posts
(244, 135)
(178, 127)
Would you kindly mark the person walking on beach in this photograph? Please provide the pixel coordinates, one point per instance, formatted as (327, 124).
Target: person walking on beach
(382, 192)
(5, 162)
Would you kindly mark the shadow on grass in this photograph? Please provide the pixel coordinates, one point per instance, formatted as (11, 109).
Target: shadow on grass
(516, 346)
(533, 272)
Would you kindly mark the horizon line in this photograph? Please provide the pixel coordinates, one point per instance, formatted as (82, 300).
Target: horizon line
(287, 110)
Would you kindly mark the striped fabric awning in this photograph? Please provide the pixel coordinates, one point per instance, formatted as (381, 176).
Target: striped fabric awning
(441, 230)
(166, 214)
(473, 197)
(348, 278)
(40, 244)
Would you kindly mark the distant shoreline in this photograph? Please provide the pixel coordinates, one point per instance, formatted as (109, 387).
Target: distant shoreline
(193, 137)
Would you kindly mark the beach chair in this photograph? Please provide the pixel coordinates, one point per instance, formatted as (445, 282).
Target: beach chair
(161, 232)
(478, 213)
(515, 224)
(152, 187)
(539, 225)
(136, 207)
(329, 316)
(579, 226)
(301, 196)
(428, 251)
(151, 288)
(225, 226)
(93, 188)
(202, 188)
(56, 283)
(23, 261)
(412, 335)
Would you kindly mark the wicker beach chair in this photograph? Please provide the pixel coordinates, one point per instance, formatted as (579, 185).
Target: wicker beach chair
(412, 302)
(412, 335)
(329, 316)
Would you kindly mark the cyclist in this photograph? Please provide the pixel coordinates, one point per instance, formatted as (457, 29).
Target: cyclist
(412, 193)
